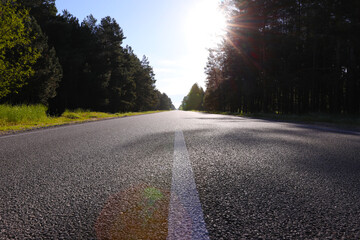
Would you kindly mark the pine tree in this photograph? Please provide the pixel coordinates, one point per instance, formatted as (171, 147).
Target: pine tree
(194, 99)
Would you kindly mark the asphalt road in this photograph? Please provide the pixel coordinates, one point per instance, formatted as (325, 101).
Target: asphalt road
(118, 179)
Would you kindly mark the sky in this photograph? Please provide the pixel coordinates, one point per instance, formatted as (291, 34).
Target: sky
(173, 34)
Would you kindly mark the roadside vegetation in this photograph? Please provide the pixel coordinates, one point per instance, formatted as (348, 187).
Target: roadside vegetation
(61, 62)
(285, 60)
(23, 117)
(52, 66)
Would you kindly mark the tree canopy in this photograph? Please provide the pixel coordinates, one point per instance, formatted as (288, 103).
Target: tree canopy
(79, 65)
(17, 54)
(296, 56)
(194, 99)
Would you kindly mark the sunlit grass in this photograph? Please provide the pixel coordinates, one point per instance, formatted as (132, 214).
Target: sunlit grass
(21, 113)
(23, 117)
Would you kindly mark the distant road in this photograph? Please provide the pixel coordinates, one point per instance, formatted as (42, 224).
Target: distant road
(210, 176)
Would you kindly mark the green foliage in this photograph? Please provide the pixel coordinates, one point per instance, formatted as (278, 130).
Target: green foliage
(42, 10)
(71, 115)
(16, 114)
(78, 65)
(17, 55)
(48, 73)
(163, 101)
(145, 85)
(80, 110)
(194, 99)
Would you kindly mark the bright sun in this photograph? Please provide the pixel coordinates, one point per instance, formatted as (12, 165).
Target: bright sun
(205, 23)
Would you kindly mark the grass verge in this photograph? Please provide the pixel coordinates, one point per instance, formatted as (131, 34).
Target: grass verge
(342, 121)
(25, 117)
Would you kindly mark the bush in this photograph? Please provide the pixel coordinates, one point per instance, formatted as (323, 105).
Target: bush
(71, 115)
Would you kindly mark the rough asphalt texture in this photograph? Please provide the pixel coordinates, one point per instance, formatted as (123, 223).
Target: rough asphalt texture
(255, 178)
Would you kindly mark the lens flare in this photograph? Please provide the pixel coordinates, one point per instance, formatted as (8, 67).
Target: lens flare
(205, 24)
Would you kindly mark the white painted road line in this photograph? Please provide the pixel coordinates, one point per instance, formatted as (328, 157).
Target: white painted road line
(186, 218)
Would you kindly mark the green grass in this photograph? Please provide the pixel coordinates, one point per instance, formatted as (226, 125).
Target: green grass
(23, 117)
(21, 113)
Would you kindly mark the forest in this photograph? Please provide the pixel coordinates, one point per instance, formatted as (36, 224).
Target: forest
(286, 57)
(55, 60)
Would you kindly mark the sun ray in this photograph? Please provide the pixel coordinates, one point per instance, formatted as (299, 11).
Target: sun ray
(205, 24)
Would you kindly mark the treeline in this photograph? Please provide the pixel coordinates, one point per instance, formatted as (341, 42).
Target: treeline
(194, 99)
(74, 65)
(294, 56)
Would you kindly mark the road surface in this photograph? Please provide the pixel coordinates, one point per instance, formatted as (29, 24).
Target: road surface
(180, 175)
